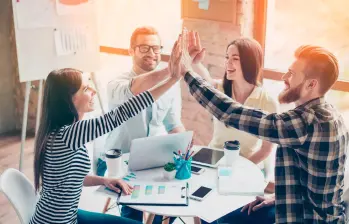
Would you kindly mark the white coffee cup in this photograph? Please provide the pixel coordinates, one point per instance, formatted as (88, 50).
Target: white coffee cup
(113, 159)
(231, 152)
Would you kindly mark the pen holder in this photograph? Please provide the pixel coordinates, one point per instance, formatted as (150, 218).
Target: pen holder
(183, 168)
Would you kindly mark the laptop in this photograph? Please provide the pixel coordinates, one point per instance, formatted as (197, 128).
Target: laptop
(156, 151)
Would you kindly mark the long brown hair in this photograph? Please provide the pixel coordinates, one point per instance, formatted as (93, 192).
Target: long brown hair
(251, 59)
(57, 110)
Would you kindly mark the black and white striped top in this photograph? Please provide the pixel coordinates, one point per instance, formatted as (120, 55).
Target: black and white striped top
(67, 163)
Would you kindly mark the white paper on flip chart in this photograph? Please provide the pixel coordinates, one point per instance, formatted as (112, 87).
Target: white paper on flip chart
(73, 40)
(32, 14)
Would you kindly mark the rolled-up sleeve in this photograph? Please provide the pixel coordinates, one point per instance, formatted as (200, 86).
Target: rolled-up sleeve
(119, 91)
(174, 114)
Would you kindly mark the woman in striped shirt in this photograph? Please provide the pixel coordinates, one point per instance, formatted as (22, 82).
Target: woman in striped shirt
(61, 160)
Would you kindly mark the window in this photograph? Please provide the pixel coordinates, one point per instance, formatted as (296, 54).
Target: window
(119, 18)
(297, 22)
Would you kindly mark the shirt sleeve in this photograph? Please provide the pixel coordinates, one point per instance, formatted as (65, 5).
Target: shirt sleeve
(119, 91)
(287, 129)
(81, 132)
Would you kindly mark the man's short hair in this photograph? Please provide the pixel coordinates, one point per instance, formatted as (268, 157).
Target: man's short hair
(144, 30)
(320, 64)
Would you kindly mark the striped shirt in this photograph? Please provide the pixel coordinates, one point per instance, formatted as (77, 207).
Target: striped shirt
(66, 162)
(312, 139)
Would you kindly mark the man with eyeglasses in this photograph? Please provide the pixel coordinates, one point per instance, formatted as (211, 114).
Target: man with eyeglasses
(164, 116)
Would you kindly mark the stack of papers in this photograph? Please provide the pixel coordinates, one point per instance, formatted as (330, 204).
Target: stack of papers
(235, 183)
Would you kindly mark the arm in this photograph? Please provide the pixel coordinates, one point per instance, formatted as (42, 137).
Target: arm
(123, 88)
(81, 132)
(287, 129)
(90, 181)
(262, 153)
(148, 80)
(177, 130)
(205, 74)
(111, 183)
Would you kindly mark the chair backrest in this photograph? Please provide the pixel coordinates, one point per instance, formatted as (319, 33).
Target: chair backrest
(20, 192)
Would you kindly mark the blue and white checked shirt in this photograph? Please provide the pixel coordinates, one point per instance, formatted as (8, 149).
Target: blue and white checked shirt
(312, 142)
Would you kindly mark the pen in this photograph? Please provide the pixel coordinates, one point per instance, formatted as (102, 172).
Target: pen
(191, 154)
(188, 149)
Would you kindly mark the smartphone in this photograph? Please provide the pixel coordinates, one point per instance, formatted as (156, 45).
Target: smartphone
(197, 170)
(201, 193)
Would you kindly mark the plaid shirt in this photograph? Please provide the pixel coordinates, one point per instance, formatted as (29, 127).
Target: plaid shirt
(312, 141)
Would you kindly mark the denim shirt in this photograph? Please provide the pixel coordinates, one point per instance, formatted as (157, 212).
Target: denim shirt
(163, 116)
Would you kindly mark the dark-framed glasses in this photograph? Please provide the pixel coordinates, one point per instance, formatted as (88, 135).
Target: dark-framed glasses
(143, 48)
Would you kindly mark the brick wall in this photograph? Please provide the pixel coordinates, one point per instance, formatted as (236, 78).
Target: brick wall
(215, 37)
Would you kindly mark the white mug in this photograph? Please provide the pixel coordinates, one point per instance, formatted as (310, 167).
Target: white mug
(231, 152)
(113, 159)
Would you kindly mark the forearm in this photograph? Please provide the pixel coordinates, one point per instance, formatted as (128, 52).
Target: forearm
(262, 153)
(148, 80)
(157, 91)
(204, 73)
(93, 181)
(177, 130)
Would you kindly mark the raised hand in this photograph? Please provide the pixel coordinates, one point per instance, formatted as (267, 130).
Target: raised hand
(186, 58)
(174, 64)
(196, 52)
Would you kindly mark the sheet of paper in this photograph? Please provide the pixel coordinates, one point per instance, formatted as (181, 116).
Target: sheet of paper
(157, 193)
(73, 40)
(35, 14)
(74, 7)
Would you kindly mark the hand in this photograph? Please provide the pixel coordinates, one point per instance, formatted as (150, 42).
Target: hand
(174, 65)
(113, 184)
(196, 52)
(186, 61)
(270, 188)
(260, 202)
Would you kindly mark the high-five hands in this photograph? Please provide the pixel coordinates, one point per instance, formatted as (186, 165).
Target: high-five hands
(186, 51)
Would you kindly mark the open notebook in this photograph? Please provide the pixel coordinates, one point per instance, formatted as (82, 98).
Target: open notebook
(235, 183)
(153, 194)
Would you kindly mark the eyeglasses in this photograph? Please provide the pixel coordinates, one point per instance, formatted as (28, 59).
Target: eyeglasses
(143, 48)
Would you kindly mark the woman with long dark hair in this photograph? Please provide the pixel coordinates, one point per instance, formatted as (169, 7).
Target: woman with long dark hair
(242, 81)
(61, 161)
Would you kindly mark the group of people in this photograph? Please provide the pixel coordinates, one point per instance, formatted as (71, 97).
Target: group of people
(311, 139)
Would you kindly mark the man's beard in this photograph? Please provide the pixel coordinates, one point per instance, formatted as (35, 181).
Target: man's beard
(291, 95)
(145, 66)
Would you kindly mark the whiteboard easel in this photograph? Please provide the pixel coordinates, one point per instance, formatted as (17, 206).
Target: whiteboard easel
(49, 36)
